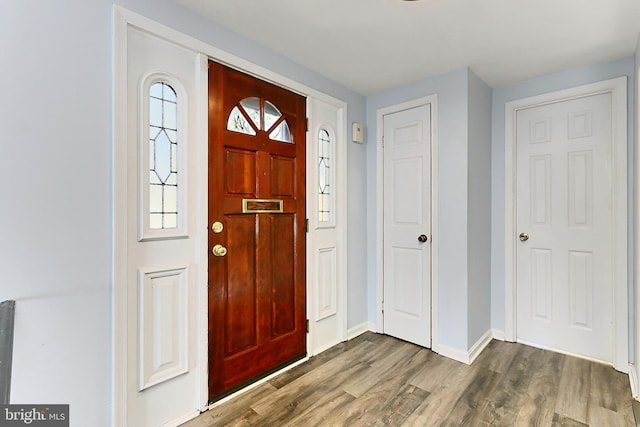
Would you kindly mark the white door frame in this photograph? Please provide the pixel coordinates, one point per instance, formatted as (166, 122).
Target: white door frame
(618, 89)
(433, 101)
(122, 19)
(634, 374)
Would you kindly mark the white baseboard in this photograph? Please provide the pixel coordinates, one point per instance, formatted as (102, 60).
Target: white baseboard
(498, 335)
(360, 329)
(469, 356)
(480, 345)
(454, 353)
(633, 381)
(183, 419)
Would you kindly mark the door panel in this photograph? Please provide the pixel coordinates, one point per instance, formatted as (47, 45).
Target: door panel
(564, 203)
(283, 288)
(160, 297)
(282, 176)
(541, 284)
(241, 302)
(407, 215)
(408, 280)
(327, 256)
(257, 190)
(240, 172)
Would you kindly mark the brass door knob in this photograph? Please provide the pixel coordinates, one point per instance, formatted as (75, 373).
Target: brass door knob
(523, 237)
(219, 250)
(217, 227)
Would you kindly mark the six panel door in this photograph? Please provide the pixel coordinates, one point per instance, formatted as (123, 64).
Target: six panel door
(564, 218)
(407, 225)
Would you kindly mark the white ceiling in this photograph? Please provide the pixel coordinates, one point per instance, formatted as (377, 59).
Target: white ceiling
(374, 45)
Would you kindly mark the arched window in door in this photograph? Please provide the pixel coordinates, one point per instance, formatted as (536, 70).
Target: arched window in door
(324, 176)
(163, 156)
(253, 115)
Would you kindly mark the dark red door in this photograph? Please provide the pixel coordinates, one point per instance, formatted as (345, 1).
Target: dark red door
(257, 198)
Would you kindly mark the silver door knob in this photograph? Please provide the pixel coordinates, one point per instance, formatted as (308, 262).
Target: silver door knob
(219, 250)
(523, 237)
(422, 238)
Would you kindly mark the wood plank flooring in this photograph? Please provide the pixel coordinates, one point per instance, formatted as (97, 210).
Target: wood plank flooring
(376, 380)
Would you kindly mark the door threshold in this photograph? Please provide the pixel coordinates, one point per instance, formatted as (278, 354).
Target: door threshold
(254, 382)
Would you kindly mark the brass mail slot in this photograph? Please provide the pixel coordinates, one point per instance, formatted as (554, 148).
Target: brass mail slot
(261, 206)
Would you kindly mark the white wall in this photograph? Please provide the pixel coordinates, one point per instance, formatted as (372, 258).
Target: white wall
(56, 210)
(549, 83)
(57, 206)
(479, 209)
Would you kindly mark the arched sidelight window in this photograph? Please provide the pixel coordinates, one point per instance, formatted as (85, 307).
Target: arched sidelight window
(253, 114)
(324, 176)
(163, 156)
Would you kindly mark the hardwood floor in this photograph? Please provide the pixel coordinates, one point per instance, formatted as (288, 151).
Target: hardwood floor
(376, 380)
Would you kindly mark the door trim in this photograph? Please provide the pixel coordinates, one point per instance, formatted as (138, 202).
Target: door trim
(618, 89)
(122, 19)
(433, 101)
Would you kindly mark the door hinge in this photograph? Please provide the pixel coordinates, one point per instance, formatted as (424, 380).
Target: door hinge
(306, 225)
(382, 140)
(307, 325)
(306, 124)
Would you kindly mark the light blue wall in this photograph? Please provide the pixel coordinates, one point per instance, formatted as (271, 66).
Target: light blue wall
(479, 219)
(451, 89)
(56, 211)
(57, 199)
(549, 83)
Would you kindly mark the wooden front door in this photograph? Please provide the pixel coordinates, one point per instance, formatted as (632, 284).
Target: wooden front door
(257, 320)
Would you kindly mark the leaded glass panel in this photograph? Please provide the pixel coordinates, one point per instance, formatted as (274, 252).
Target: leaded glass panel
(271, 115)
(281, 133)
(324, 175)
(252, 108)
(238, 123)
(163, 157)
(254, 114)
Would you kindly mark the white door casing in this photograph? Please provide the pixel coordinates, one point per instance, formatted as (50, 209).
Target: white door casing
(566, 163)
(407, 224)
(634, 366)
(326, 243)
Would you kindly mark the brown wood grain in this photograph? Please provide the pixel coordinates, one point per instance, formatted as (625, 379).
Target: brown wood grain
(376, 380)
(538, 406)
(257, 291)
(574, 389)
